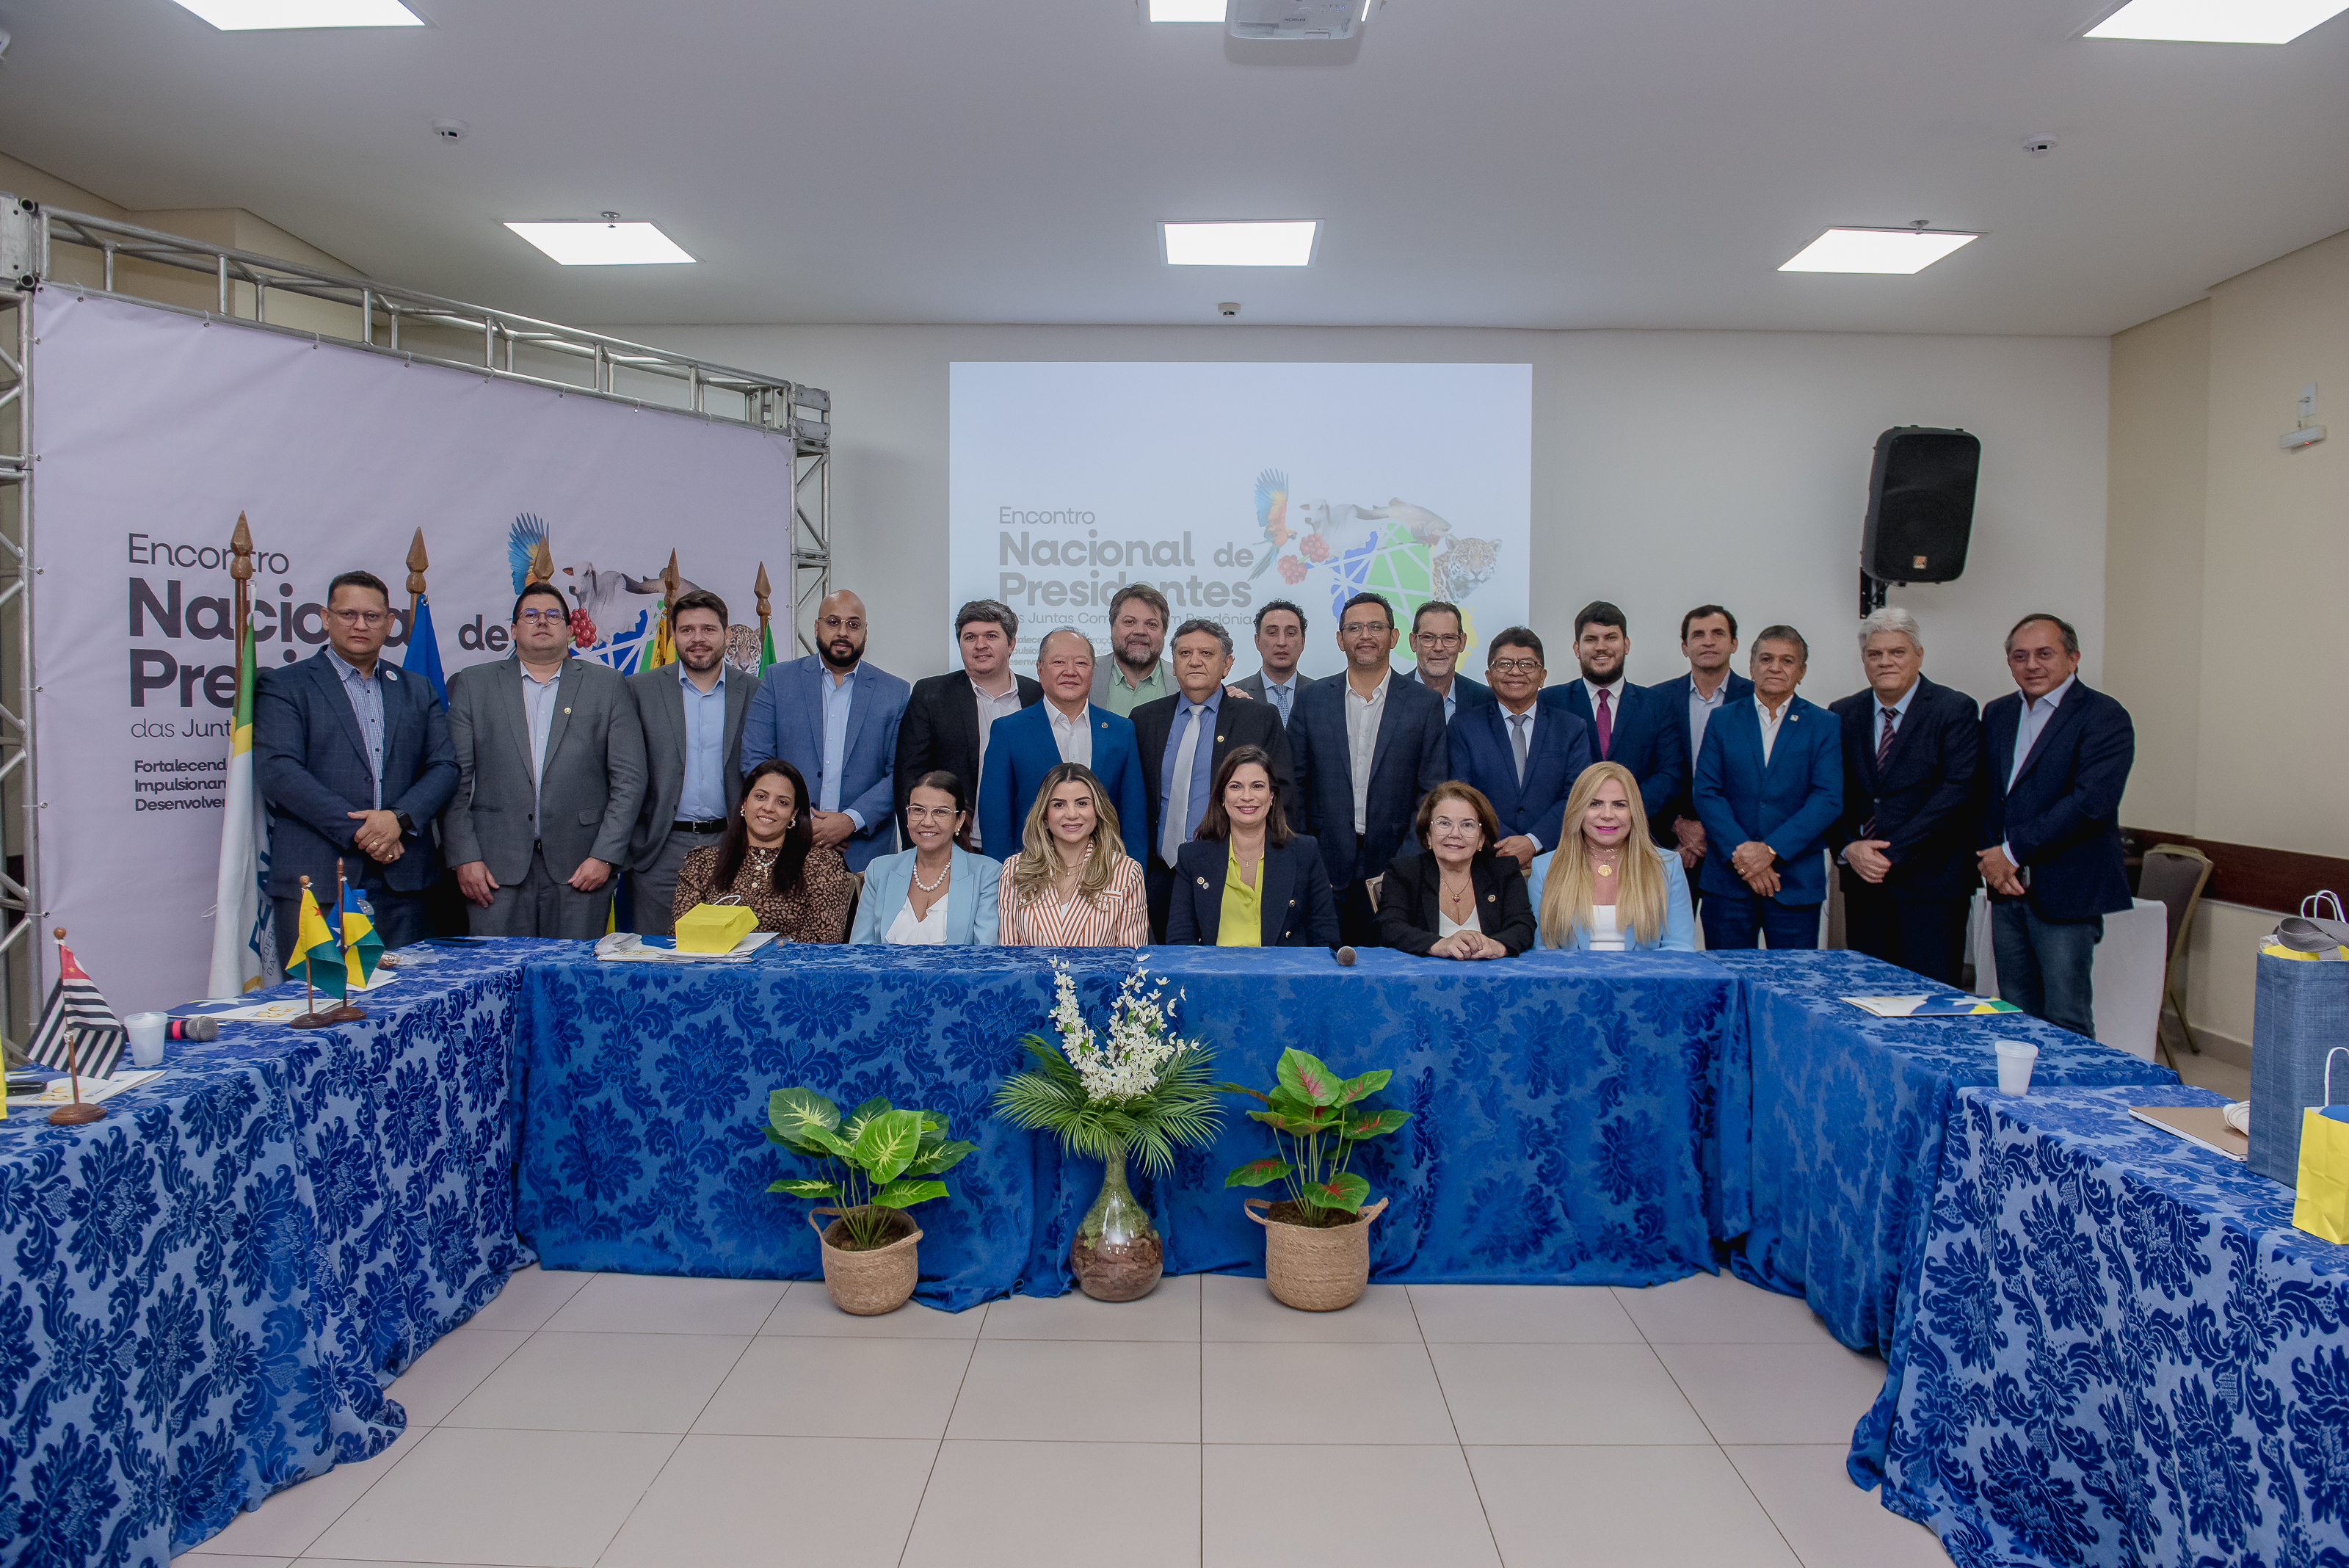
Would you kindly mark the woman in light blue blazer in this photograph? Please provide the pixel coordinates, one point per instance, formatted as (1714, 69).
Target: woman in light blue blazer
(1607, 887)
(940, 893)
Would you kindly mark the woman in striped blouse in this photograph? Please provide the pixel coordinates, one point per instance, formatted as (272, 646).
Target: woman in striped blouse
(1073, 885)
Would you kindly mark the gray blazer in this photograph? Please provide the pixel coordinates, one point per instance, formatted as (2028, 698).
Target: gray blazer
(593, 777)
(660, 710)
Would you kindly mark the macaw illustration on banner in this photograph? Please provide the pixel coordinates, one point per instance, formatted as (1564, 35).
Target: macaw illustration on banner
(1225, 487)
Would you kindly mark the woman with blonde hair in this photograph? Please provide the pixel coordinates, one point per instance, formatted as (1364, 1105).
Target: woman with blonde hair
(1073, 885)
(1607, 887)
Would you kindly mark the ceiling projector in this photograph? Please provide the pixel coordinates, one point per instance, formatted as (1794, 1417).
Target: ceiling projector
(1319, 21)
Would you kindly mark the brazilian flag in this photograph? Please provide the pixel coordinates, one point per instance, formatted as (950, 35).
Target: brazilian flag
(361, 946)
(315, 956)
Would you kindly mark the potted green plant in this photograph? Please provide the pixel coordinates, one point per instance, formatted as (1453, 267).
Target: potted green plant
(1317, 1241)
(1141, 1088)
(878, 1161)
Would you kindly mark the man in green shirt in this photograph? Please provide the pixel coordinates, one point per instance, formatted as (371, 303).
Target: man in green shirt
(1133, 673)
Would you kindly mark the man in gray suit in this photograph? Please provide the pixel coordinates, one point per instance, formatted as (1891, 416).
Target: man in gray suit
(1280, 643)
(550, 776)
(692, 718)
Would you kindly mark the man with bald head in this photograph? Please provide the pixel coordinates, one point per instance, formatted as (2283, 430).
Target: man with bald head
(834, 717)
(1067, 726)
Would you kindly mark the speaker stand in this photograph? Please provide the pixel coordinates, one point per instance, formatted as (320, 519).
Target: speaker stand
(1872, 595)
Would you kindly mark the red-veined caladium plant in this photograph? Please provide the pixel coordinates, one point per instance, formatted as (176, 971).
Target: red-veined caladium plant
(1317, 1119)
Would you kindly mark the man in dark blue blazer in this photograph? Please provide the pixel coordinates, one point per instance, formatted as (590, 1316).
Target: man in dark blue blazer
(354, 760)
(1437, 642)
(834, 717)
(1528, 792)
(1709, 642)
(1912, 762)
(1769, 788)
(1633, 725)
(1065, 727)
(2058, 755)
(1359, 813)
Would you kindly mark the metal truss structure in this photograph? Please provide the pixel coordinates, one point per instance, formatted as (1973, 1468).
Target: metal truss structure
(44, 247)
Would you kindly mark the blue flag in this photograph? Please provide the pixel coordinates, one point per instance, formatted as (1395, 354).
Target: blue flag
(423, 654)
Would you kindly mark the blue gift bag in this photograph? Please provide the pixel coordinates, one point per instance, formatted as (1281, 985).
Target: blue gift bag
(2301, 1011)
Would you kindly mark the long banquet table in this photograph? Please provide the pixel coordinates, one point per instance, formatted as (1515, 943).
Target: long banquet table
(204, 1295)
(1564, 1108)
(2120, 1350)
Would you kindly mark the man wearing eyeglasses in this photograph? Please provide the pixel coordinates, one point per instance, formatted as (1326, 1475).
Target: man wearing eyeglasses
(354, 761)
(1438, 638)
(1522, 752)
(551, 765)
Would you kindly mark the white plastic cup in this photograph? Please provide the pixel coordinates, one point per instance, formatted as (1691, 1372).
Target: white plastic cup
(146, 1030)
(2015, 1062)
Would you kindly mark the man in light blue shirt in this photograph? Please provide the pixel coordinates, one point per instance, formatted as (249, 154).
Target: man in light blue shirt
(1280, 644)
(835, 717)
(692, 716)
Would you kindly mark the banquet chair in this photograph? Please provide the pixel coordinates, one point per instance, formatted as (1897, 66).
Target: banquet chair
(2175, 874)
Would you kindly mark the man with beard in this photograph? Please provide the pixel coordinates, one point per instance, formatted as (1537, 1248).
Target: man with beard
(692, 716)
(949, 717)
(835, 718)
(1633, 725)
(1133, 673)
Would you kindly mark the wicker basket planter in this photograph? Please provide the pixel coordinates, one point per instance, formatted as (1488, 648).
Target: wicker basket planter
(868, 1283)
(1311, 1268)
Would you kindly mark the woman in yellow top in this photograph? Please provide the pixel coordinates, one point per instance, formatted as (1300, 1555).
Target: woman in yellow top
(1247, 881)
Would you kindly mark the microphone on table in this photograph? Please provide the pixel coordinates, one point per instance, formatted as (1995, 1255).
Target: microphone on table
(197, 1028)
(1345, 958)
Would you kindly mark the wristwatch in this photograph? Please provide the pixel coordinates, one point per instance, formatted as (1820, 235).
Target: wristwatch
(406, 827)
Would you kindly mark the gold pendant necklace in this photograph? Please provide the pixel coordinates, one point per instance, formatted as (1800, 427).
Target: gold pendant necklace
(1604, 870)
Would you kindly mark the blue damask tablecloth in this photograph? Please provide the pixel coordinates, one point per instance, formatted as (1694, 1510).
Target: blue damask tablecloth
(204, 1295)
(1847, 1115)
(1564, 1106)
(2121, 1351)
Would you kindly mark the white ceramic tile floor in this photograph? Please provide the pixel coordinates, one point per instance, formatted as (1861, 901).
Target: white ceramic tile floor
(615, 1422)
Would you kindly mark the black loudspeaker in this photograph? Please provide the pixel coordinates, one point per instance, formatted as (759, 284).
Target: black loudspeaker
(1920, 505)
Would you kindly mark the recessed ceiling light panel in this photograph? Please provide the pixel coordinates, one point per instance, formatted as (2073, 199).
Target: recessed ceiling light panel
(254, 16)
(1241, 245)
(603, 243)
(2215, 21)
(1183, 10)
(1877, 250)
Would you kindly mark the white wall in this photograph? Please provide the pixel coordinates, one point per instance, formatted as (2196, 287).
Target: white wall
(1670, 469)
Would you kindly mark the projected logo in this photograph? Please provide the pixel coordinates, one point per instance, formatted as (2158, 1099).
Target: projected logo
(1401, 550)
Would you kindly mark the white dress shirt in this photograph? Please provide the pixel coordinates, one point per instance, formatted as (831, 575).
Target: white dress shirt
(1363, 716)
(1073, 736)
(991, 708)
(2033, 718)
(1770, 723)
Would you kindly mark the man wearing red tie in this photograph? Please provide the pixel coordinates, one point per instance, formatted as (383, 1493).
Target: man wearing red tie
(1629, 724)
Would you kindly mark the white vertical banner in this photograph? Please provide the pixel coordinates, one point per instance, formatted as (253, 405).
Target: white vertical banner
(1226, 485)
(153, 431)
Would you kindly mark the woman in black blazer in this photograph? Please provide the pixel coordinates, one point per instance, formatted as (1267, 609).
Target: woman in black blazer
(1451, 896)
(1280, 880)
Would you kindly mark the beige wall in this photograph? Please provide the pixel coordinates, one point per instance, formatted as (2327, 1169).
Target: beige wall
(2226, 580)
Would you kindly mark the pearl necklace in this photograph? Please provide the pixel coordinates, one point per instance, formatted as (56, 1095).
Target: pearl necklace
(932, 886)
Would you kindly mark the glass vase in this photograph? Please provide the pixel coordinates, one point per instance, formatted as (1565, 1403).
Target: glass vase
(1117, 1255)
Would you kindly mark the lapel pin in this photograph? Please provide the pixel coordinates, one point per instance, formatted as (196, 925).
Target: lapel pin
(1219, 739)
(391, 675)
(1202, 881)
(566, 709)
(1490, 896)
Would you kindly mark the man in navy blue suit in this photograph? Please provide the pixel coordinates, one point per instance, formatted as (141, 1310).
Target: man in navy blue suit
(834, 717)
(1911, 760)
(1769, 787)
(1367, 745)
(1065, 727)
(1709, 642)
(1521, 752)
(1633, 725)
(354, 760)
(2058, 755)
(1437, 641)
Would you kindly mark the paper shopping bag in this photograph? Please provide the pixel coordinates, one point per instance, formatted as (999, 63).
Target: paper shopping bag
(2322, 1206)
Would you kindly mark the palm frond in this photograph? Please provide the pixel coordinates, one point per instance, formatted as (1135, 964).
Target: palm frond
(1179, 1109)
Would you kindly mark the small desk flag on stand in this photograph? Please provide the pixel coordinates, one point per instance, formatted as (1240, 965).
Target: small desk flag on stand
(361, 946)
(75, 1005)
(315, 957)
